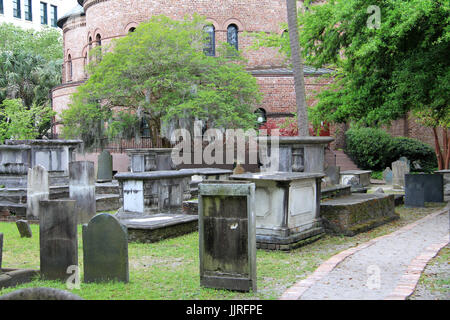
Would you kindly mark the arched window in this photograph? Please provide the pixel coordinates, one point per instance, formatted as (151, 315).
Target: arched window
(210, 47)
(69, 68)
(262, 115)
(232, 36)
(132, 29)
(90, 43)
(98, 40)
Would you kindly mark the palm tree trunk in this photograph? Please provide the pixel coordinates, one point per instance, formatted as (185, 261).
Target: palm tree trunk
(297, 64)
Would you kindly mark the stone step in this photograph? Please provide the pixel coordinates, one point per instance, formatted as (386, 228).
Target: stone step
(107, 202)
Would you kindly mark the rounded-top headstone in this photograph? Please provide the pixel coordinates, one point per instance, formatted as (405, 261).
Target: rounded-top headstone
(105, 249)
(40, 294)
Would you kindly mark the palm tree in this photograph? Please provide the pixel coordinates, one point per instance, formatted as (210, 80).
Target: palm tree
(297, 64)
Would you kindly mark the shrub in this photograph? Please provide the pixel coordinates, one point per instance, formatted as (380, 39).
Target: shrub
(369, 148)
(417, 152)
(374, 149)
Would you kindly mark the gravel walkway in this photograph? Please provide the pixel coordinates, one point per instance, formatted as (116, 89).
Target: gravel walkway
(374, 272)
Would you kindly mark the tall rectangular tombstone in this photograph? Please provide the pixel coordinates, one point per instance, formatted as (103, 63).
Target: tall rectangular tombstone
(82, 189)
(37, 190)
(1, 251)
(227, 235)
(58, 238)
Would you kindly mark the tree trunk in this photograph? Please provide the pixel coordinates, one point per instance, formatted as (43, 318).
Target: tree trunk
(438, 151)
(446, 148)
(297, 65)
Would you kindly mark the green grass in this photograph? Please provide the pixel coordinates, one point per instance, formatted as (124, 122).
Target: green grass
(169, 270)
(438, 282)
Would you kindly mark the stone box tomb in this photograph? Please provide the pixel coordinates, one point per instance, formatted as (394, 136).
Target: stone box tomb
(287, 208)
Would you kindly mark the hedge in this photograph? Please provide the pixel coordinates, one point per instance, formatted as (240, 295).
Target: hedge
(374, 149)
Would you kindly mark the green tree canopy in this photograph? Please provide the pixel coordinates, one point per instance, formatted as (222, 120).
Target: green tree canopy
(30, 66)
(160, 74)
(384, 68)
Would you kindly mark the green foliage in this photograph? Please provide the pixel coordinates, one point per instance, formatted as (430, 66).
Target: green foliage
(160, 73)
(27, 76)
(46, 43)
(30, 66)
(18, 122)
(381, 74)
(374, 149)
(369, 148)
(415, 151)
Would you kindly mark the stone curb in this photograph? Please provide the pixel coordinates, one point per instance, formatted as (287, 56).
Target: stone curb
(408, 282)
(298, 289)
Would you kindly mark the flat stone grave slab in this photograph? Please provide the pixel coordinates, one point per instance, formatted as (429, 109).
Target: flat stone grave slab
(357, 213)
(287, 208)
(156, 227)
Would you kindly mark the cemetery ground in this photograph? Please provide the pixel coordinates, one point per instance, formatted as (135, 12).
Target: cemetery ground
(169, 270)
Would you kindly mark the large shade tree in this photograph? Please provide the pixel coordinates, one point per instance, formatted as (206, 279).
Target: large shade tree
(160, 74)
(385, 69)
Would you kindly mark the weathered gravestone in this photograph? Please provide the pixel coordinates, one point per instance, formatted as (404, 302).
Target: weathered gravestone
(430, 185)
(24, 229)
(1, 251)
(334, 173)
(40, 294)
(105, 166)
(414, 192)
(105, 250)
(37, 190)
(58, 238)
(227, 232)
(387, 175)
(399, 169)
(82, 189)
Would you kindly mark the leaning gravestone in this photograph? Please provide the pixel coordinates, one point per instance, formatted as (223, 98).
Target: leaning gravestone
(334, 173)
(82, 189)
(37, 190)
(24, 229)
(387, 175)
(399, 170)
(105, 166)
(1, 251)
(227, 232)
(105, 250)
(58, 238)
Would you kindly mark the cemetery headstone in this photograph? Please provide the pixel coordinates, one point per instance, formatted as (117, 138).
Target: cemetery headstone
(105, 166)
(405, 160)
(82, 189)
(24, 229)
(1, 251)
(37, 190)
(105, 250)
(40, 294)
(387, 175)
(227, 233)
(334, 173)
(399, 170)
(58, 238)
(414, 191)
(432, 184)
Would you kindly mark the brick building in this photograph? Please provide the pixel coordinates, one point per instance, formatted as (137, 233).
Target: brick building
(97, 22)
